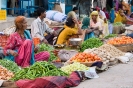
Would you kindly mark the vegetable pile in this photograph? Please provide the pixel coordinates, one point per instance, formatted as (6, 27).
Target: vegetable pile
(113, 51)
(103, 54)
(85, 57)
(39, 69)
(10, 65)
(118, 24)
(50, 49)
(5, 74)
(121, 40)
(74, 67)
(91, 43)
(110, 36)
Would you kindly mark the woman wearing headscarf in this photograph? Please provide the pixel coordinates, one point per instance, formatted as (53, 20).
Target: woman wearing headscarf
(20, 48)
(85, 26)
(95, 23)
(121, 17)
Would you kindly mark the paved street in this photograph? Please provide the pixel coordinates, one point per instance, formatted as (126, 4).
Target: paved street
(119, 76)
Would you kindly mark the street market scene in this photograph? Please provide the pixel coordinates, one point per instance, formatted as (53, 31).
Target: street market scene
(66, 43)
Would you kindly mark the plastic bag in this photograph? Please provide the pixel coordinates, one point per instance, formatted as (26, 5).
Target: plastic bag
(65, 55)
(123, 59)
(1, 82)
(129, 55)
(91, 73)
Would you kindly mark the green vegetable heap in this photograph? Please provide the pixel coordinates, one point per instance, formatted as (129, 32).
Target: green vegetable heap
(118, 24)
(44, 47)
(10, 65)
(91, 43)
(110, 36)
(39, 69)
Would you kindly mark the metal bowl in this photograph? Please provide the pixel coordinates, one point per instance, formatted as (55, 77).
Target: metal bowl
(75, 41)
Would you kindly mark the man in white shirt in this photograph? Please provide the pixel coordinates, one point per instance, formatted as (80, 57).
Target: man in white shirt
(39, 28)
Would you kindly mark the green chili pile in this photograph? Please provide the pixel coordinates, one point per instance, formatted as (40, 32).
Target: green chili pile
(39, 69)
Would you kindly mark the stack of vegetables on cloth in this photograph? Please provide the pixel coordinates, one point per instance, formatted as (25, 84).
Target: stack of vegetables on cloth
(20, 47)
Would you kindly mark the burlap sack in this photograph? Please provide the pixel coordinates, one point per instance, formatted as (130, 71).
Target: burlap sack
(118, 29)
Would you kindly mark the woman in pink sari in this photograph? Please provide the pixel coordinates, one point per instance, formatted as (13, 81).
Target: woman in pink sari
(20, 47)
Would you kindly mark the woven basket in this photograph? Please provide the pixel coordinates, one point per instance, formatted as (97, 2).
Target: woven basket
(3, 40)
(125, 48)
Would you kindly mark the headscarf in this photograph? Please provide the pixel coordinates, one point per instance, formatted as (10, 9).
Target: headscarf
(94, 13)
(86, 23)
(18, 22)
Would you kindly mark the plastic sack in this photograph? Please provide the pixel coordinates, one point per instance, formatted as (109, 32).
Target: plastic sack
(56, 16)
(91, 73)
(65, 55)
(1, 82)
(123, 59)
(129, 55)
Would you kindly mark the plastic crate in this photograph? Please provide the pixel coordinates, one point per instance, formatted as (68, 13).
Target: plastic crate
(3, 40)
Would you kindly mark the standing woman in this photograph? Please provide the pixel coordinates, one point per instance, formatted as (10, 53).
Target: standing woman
(20, 48)
(85, 26)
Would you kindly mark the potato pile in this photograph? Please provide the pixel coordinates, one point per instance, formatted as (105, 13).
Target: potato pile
(5, 74)
(104, 55)
(113, 51)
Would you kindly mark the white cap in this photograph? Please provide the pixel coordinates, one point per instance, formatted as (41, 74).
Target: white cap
(129, 28)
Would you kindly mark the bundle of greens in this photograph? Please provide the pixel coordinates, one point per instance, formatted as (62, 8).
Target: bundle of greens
(91, 43)
(50, 49)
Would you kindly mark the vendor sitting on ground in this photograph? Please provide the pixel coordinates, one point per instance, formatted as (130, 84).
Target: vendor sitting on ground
(121, 17)
(95, 23)
(39, 28)
(20, 48)
(68, 31)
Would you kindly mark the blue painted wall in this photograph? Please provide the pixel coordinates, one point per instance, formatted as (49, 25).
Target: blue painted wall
(68, 8)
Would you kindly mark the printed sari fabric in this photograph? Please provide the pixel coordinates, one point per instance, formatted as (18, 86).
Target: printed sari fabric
(25, 49)
(51, 82)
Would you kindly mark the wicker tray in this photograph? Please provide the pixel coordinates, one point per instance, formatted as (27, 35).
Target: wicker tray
(125, 48)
